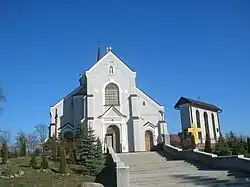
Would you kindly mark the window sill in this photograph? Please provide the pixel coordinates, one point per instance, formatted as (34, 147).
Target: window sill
(112, 105)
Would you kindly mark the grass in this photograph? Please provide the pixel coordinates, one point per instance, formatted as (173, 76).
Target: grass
(247, 155)
(38, 177)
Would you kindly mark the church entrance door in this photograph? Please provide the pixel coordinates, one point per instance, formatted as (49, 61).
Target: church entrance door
(113, 138)
(148, 140)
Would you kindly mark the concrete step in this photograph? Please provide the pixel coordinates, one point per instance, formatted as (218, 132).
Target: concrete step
(150, 169)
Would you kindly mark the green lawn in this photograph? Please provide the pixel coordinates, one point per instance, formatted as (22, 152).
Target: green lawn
(38, 177)
(247, 155)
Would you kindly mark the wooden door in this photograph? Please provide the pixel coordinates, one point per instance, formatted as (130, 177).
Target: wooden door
(148, 140)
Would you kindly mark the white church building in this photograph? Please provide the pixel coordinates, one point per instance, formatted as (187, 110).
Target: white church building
(204, 115)
(109, 101)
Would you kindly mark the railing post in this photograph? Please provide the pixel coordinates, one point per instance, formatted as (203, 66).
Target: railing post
(122, 175)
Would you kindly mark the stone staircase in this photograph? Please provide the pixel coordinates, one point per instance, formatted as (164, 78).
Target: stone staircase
(152, 169)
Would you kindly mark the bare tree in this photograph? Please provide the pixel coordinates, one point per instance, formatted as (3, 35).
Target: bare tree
(4, 136)
(2, 97)
(32, 141)
(41, 132)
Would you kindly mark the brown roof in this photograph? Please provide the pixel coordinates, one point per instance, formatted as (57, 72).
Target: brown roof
(174, 137)
(184, 100)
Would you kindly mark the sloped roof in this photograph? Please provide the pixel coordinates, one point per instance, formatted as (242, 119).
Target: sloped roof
(184, 100)
(104, 56)
(115, 110)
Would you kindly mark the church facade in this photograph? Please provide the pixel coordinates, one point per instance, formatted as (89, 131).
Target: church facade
(109, 101)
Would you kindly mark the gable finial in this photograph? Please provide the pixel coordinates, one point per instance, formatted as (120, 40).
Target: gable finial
(108, 49)
(98, 52)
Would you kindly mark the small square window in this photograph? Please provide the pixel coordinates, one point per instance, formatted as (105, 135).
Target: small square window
(217, 129)
(143, 103)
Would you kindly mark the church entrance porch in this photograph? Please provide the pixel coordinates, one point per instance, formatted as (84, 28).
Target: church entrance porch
(148, 140)
(113, 138)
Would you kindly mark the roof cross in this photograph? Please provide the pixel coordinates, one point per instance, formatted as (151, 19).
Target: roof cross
(109, 49)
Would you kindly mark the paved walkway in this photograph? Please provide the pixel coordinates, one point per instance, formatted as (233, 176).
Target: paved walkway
(149, 169)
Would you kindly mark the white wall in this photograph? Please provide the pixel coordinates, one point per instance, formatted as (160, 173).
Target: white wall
(90, 107)
(97, 79)
(211, 130)
(185, 116)
(69, 110)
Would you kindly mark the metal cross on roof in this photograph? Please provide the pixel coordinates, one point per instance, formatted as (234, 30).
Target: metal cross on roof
(109, 49)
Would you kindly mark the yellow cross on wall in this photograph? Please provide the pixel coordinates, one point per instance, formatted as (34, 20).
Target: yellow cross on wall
(194, 131)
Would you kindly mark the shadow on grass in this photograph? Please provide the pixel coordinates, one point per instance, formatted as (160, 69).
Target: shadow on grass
(23, 166)
(107, 177)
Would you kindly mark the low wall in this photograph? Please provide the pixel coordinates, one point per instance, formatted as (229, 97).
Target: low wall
(122, 171)
(238, 162)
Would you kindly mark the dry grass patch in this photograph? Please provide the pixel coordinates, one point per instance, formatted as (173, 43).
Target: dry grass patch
(29, 177)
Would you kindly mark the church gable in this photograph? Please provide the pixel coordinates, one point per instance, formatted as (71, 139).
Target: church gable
(110, 61)
(112, 112)
(149, 124)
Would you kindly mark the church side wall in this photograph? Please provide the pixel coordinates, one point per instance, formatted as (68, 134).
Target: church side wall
(185, 116)
(59, 109)
(148, 113)
(78, 109)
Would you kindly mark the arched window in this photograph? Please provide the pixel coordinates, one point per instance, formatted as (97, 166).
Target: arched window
(198, 121)
(111, 70)
(206, 124)
(112, 94)
(215, 136)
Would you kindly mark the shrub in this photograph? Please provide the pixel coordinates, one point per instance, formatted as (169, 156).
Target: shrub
(37, 151)
(45, 164)
(53, 147)
(221, 148)
(4, 152)
(62, 159)
(208, 147)
(33, 162)
(248, 144)
(193, 145)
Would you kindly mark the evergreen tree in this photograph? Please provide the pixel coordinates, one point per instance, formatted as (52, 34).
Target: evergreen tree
(221, 147)
(4, 152)
(47, 145)
(88, 150)
(33, 162)
(23, 148)
(248, 144)
(90, 160)
(62, 158)
(81, 143)
(45, 163)
(99, 157)
(53, 147)
(208, 147)
(22, 141)
(238, 147)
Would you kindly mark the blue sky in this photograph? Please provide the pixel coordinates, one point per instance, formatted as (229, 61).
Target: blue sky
(189, 48)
